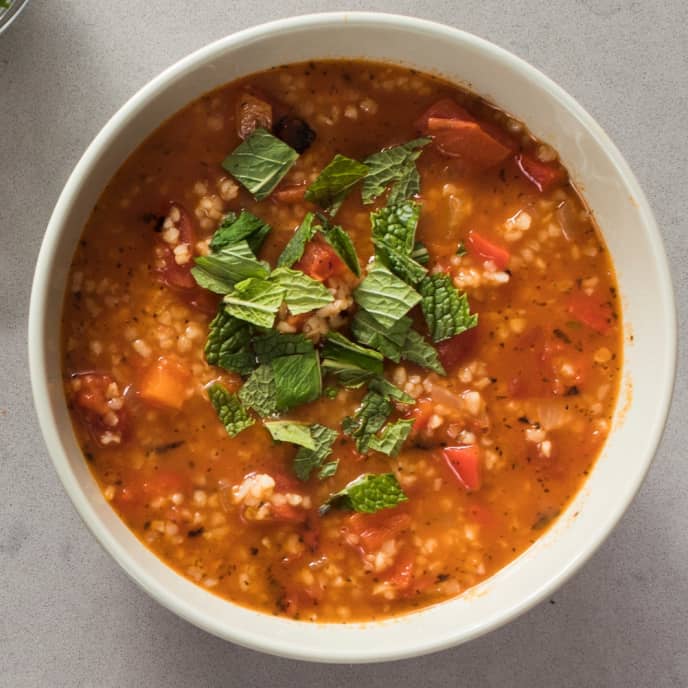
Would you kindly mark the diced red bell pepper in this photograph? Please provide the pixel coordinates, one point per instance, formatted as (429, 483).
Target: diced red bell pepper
(320, 261)
(544, 175)
(478, 245)
(464, 462)
(591, 311)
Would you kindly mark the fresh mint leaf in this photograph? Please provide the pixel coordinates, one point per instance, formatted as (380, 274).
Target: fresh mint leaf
(307, 460)
(340, 348)
(335, 181)
(260, 162)
(341, 242)
(394, 234)
(420, 253)
(293, 251)
(417, 350)
(228, 407)
(228, 344)
(389, 391)
(220, 271)
(446, 310)
(369, 418)
(328, 469)
(369, 493)
(301, 292)
(391, 438)
(297, 379)
(258, 391)
(395, 225)
(385, 296)
(255, 301)
(275, 344)
(397, 166)
(389, 341)
(291, 431)
(233, 229)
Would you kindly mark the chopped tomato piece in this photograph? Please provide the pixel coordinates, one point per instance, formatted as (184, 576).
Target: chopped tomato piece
(202, 300)
(591, 311)
(373, 530)
(164, 483)
(421, 413)
(457, 349)
(288, 513)
(100, 405)
(545, 175)
(290, 194)
(464, 463)
(401, 574)
(165, 383)
(320, 261)
(172, 273)
(468, 141)
(443, 109)
(478, 245)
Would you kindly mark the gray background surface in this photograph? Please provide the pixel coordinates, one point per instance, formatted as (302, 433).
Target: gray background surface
(68, 615)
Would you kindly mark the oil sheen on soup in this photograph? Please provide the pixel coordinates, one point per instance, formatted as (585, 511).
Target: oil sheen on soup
(340, 340)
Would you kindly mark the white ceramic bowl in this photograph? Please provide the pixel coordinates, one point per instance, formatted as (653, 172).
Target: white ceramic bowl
(629, 229)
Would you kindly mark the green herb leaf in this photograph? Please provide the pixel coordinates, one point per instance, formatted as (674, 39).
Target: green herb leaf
(228, 344)
(395, 225)
(260, 162)
(293, 251)
(290, 431)
(417, 350)
(385, 296)
(350, 363)
(255, 301)
(445, 309)
(389, 341)
(307, 460)
(228, 407)
(369, 418)
(461, 249)
(275, 344)
(396, 165)
(367, 494)
(301, 292)
(342, 244)
(258, 391)
(420, 253)
(394, 233)
(220, 271)
(391, 438)
(328, 469)
(389, 391)
(232, 230)
(297, 380)
(334, 182)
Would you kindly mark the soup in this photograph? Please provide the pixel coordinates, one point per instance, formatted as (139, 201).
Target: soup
(340, 340)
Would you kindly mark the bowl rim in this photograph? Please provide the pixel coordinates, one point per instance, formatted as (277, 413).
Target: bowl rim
(37, 333)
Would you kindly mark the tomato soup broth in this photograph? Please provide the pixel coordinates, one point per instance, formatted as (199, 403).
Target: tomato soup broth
(340, 388)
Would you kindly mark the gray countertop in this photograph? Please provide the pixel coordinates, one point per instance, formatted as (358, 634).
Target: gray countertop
(68, 615)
